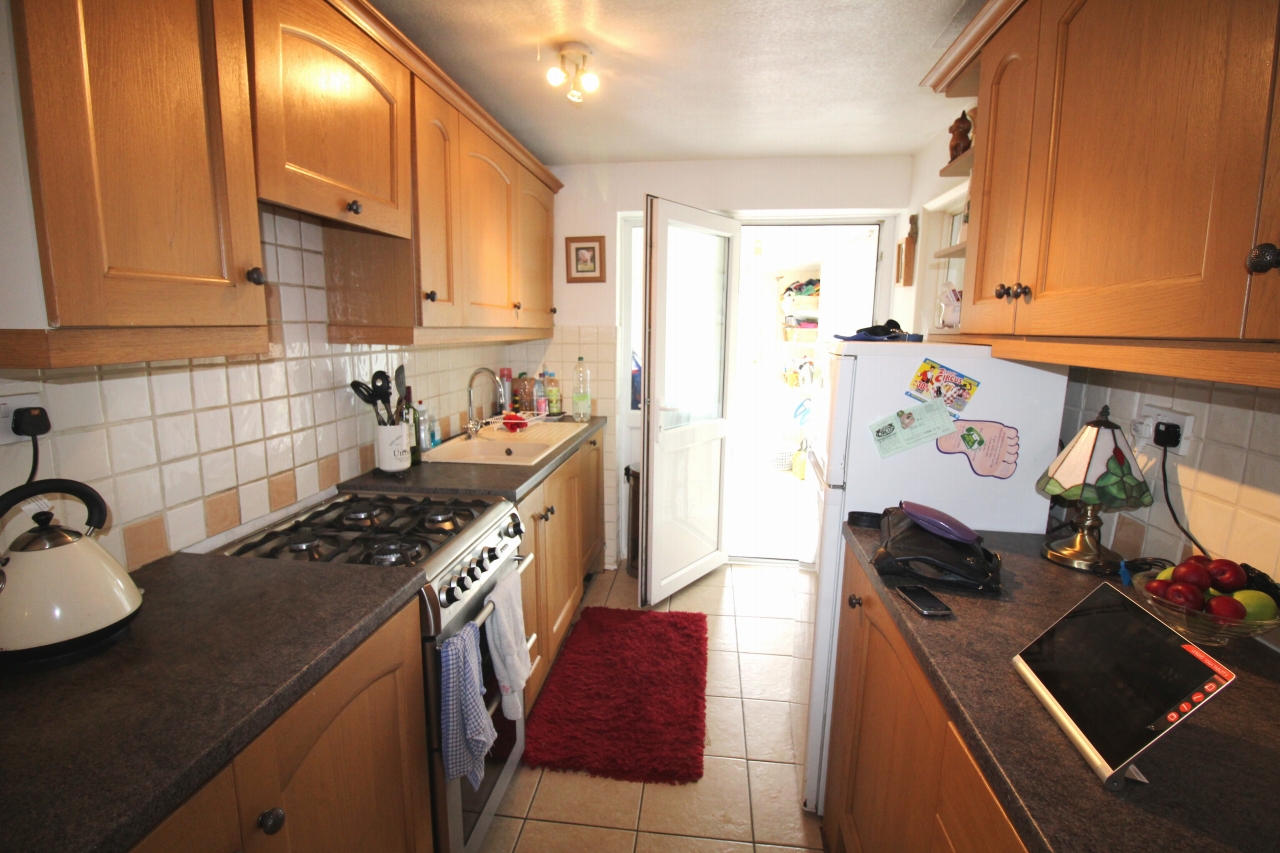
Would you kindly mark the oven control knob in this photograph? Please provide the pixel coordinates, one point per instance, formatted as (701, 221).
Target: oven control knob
(475, 569)
(448, 595)
(491, 556)
(463, 582)
(514, 529)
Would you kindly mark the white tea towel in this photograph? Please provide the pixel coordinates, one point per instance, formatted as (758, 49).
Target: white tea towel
(506, 643)
(467, 730)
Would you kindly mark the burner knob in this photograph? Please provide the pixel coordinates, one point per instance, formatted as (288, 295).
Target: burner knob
(491, 555)
(448, 596)
(463, 582)
(474, 570)
(514, 529)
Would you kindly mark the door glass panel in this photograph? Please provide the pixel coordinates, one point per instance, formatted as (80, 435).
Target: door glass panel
(697, 278)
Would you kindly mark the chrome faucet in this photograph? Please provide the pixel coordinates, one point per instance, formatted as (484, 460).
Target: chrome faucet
(473, 423)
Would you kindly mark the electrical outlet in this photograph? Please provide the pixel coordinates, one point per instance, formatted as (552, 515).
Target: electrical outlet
(7, 407)
(1145, 425)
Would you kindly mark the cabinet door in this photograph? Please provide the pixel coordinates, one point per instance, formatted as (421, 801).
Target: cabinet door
(488, 207)
(332, 117)
(437, 187)
(531, 584)
(348, 762)
(1149, 136)
(206, 823)
(558, 538)
(969, 817)
(1002, 142)
(591, 503)
(535, 233)
(140, 147)
(1262, 317)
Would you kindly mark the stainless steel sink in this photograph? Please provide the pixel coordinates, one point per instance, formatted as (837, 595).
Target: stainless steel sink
(496, 446)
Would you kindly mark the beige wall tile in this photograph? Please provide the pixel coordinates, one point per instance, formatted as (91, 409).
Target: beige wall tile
(221, 512)
(145, 541)
(282, 489)
(328, 471)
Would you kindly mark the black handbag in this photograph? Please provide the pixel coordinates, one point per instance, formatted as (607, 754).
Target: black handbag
(909, 550)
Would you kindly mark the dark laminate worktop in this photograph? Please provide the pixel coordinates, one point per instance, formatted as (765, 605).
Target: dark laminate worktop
(96, 754)
(512, 482)
(1214, 779)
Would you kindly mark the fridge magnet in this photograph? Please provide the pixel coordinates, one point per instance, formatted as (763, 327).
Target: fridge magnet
(584, 259)
(908, 428)
(991, 447)
(933, 381)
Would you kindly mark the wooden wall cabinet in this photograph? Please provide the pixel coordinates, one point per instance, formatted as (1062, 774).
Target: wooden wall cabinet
(534, 242)
(347, 764)
(437, 197)
(899, 779)
(332, 113)
(488, 204)
(140, 151)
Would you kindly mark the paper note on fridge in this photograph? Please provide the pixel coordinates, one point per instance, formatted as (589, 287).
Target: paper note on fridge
(908, 428)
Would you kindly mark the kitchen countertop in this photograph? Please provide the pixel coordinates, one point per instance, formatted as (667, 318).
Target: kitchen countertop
(95, 755)
(512, 482)
(1214, 779)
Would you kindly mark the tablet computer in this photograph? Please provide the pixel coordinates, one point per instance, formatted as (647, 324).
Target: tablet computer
(1117, 679)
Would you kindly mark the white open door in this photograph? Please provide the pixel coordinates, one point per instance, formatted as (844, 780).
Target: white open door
(691, 278)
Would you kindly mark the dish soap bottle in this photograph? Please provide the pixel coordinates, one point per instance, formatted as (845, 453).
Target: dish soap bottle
(540, 394)
(423, 430)
(553, 395)
(408, 415)
(581, 392)
(433, 427)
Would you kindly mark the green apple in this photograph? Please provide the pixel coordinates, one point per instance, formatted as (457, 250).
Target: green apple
(1210, 593)
(1166, 575)
(1258, 606)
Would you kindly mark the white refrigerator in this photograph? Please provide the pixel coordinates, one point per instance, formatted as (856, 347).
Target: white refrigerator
(1006, 416)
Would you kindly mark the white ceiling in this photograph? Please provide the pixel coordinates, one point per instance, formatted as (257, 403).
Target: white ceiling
(699, 79)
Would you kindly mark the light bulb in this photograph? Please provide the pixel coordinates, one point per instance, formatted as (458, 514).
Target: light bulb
(590, 82)
(575, 96)
(556, 76)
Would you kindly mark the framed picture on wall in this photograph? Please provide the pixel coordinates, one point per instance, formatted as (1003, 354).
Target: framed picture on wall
(584, 259)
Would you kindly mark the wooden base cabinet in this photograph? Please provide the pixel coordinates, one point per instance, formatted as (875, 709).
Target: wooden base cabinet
(346, 765)
(591, 501)
(899, 779)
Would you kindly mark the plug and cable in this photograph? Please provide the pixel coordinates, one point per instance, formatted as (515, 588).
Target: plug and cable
(32, 421)
(1170, 435)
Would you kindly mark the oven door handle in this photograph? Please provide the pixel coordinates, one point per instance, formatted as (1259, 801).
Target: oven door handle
(522, 563)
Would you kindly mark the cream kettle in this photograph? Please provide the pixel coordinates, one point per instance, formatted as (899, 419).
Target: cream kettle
(62, 596)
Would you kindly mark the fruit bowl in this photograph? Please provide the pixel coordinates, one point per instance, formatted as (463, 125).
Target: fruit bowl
(1198, 626)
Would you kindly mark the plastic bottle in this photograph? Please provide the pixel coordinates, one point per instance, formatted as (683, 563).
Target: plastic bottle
(409, 415)
(433, 427)
(540, 395)
(581, 392)
(504, 374)
(554, 406)
(424, 427)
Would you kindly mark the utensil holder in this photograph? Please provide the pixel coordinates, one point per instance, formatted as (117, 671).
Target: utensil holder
(391, 447)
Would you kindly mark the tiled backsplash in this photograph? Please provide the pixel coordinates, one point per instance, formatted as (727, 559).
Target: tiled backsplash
(186, 450)
(1226, 489)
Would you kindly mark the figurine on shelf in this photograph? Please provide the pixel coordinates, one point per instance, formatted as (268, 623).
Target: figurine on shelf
(959, 130)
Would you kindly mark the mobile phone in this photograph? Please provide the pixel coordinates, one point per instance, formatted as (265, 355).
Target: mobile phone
(924, 601)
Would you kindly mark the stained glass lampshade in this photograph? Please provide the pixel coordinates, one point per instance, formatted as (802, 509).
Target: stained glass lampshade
(1097, 471)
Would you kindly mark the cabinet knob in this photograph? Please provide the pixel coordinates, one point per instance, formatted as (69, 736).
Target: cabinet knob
(1020, 290)
(516, 306)
(855, 602)
(256, 276)
(1265, 256)
(430, 296)
(271, 821)
(553, 309)
(593, 442)
(355, 206)
(1002, 290)
(552, 510)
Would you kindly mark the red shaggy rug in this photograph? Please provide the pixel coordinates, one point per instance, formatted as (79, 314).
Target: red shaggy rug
(626, 698)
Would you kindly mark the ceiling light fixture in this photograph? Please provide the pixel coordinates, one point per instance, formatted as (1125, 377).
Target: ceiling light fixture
(573, 67)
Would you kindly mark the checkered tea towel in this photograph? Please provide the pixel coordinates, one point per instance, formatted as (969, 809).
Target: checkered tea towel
(466, 728)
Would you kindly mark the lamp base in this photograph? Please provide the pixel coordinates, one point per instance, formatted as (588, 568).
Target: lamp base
(1084, 551)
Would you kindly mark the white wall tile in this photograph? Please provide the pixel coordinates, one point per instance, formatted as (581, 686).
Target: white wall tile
(348, 463)
(267, 224)
(125, 396)
(171, 391)
(269, 265)
(304, 446)
(176, 436)
(301, 412)
(289, 262)
(81, 455)
(293, 305)
(307, 479)
(132, 446)
(242, 382)
(181, 481)
(219, 470)
(299, 375)
(1260, 491)
(210, 386)
(312, 237)
(288, 228)
(1255, 540)
(1265, 434)
(275, 417)
(279, 454)
(323, 408)
(137, 495)
(255, 501)
(213, 428)
(326, 439)
(185, 525)
(73, 401)
(272, 376)
(347, 435)
(313, 277)
(1231, 414)
(246, 422)
(322, 374)
(295, 339)
(251, 462)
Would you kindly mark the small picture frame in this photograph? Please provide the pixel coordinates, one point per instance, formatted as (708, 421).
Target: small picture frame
(584, 259)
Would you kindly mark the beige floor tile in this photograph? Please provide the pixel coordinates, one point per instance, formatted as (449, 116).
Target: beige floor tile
(722, 633)
(724, 728)
(716, 806)
(768, 730)
(806, 608)
(771, 848)
(777, 678)
(807, 582)
(777, 817)
(540, 837)
(502, 836)
(598, 590)
(802, 640)
(717, 600)
(647, 842)
(515, 803)
(722, 674)
(623, 594)
(765, 636)
(768, 601)
(719, 577)
(748, 575)
(579, 798)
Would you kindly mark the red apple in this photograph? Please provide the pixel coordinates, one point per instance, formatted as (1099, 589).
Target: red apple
(1193, 573)
(1185, 595)
(1199, 558)
(1227, 575)
(1225, 605)
(1157, 588)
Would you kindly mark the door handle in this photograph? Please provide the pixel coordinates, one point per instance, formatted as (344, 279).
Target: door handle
(1263, 257)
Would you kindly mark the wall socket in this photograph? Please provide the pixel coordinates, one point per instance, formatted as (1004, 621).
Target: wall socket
(7, 407)
(1145, 425)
